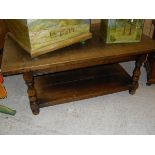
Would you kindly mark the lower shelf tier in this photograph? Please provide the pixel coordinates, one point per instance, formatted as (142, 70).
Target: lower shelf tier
(79, 84)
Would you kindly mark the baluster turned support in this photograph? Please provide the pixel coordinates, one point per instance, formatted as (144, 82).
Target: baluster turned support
(29, 80)
(136, 74)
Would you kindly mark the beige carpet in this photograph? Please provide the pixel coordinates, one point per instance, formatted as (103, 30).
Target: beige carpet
(118, 113)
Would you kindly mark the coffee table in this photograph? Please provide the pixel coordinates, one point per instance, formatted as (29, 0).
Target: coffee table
(78, 71)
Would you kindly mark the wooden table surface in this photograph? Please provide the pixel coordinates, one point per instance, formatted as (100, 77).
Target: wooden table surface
(91, 76)
(94, 52)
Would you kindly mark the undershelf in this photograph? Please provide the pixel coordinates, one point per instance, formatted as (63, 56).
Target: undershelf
(79, 84)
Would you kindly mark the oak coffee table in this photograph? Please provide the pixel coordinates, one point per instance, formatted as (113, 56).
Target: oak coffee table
(78, 71)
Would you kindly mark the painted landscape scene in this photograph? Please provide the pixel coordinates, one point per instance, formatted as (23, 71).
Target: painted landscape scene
(124, 30)
(44, 32)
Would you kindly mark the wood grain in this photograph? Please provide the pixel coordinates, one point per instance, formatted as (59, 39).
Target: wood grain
(81, 84)
(16, 60)
(150, 63)
(3, 31)
(29, 80)
(76, 72)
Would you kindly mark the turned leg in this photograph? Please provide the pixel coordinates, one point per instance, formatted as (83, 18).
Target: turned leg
(136, 74)
(148, 84)
(29, 80)
(148, 69)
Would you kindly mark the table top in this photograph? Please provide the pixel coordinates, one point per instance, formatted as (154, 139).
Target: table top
(16, 60)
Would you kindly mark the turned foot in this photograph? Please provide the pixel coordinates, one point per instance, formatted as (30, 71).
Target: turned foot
(34, 108)
(148, 84)
(132, 92)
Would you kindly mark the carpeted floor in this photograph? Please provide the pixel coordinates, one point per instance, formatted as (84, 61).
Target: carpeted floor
(118, 113)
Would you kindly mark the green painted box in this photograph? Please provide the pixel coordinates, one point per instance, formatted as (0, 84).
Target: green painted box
(121, 30)
(39, 36)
